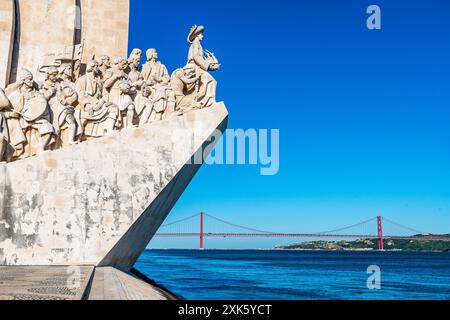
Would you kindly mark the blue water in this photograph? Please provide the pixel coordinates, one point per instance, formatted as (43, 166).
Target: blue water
(274, 275)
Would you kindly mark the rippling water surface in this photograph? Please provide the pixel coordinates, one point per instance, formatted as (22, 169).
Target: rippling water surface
(273, 275)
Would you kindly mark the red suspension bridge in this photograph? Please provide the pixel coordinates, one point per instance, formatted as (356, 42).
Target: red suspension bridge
(195, 226)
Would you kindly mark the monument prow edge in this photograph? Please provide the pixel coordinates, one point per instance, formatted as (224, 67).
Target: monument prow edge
(100, 202)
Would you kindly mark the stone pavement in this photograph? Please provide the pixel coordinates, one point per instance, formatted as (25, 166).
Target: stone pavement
(74, 283)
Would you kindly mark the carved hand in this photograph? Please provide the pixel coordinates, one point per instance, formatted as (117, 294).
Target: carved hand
(12, 115)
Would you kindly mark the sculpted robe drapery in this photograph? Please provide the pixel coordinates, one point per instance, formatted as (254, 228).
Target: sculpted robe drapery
(10, 130)
(156, 74)
(154, 71)
(206, 91)
(94, 110)
(60, 113)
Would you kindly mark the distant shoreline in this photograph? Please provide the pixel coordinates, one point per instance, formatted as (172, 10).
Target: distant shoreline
(361, 245)
(300, 250)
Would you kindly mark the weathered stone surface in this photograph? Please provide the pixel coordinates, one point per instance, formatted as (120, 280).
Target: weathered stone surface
(104, 27)
(7, 25)
(45, 26)
(100, 202)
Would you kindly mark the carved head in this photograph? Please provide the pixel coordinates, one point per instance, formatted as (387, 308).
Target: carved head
(146, 90)
(135, 57)
(66, 71)
(105, 61)
(125, 87)
(152, 54)
(52, 74)
(121, 63)
(189, 70)
(196, 33)
(26, 79)
(92, 67)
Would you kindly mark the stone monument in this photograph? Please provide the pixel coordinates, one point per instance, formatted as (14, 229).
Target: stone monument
(94, 150)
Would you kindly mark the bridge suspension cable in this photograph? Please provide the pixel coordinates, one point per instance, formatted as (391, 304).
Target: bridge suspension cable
(405, 227)
(180, 221)
(348, 227)
(237, 225)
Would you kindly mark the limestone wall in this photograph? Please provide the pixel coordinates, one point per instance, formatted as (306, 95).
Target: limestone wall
(45, 26)
(6, 39)
(104, 27)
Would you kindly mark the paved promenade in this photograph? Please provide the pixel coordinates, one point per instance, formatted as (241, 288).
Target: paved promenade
(74, 283)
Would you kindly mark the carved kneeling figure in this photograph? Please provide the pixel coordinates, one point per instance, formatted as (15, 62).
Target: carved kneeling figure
(143, 104)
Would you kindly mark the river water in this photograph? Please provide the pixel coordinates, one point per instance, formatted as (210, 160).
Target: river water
(292, 275)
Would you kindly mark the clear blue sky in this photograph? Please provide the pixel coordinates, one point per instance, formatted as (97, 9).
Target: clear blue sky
(364, 116)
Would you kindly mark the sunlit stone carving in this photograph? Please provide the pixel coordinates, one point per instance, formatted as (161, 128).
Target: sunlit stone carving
(144, 105)
(34, 116)
(66, 116)
(98, 116)
(156, 75)
(204, 61)
(120, 92)
(93, 155)
(184, 84)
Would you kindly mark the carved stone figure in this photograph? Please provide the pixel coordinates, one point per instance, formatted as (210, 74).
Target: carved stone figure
(50, 86)
(144, 104)
(67, 116)
(204, 61)
(77, 102)
(184, 84)
(153, 70)
(11, 133)
(33, 109)
(134, 75)
(66, 77)
(98, 116)
(104, 65)
(121, 91)
(156, 74)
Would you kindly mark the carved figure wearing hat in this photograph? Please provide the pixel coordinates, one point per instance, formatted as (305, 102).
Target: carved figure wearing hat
(204, 61)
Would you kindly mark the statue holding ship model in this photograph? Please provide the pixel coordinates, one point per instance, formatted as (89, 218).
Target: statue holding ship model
(68, 108)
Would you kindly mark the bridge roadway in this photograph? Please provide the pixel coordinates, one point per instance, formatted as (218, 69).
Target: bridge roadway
(302, 235)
